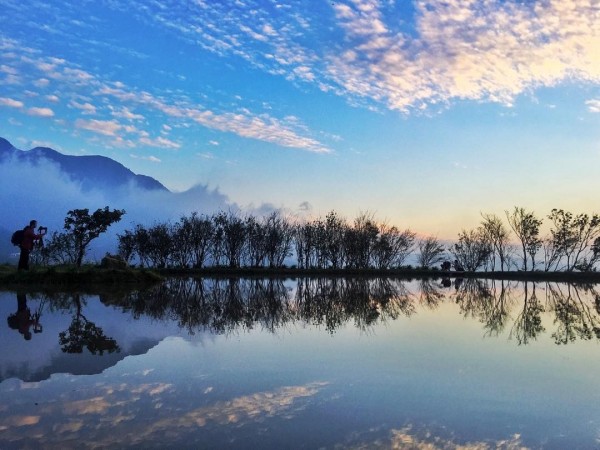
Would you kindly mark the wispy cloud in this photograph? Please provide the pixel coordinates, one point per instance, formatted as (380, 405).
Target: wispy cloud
(488, 51)
(120, 101)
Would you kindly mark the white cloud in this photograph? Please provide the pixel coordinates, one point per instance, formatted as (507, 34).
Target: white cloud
(85, 108)
(593, 105)
(159, 142)
(153, 159)
(11, 103)
(40, 112)
(104, 127)
(126, 113)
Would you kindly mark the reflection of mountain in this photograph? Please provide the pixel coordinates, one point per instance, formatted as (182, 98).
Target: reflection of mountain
(37, 359)
(75, 364)
(96, 172)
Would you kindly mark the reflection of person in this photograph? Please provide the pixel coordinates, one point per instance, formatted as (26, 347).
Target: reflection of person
(27, 244)
(22, 320)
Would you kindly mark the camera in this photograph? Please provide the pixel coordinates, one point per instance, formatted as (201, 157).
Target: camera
(42, 230)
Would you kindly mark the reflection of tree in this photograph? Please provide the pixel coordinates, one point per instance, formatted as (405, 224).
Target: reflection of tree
(575, 318)
(333, 302)
(228, 305)
(483, 300)
(529, 321)
(85, 333)
(429, 293)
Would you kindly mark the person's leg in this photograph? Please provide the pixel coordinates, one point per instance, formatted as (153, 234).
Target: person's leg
(24, 260)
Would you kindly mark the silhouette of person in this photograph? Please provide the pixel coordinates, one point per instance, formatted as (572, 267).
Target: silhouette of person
(22, 320)
(28, 242)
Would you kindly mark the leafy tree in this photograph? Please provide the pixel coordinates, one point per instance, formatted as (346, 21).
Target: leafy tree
(84, 227)
(527, 228)
(126, 248)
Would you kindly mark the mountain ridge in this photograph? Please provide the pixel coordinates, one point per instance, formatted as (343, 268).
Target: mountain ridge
(92, 171)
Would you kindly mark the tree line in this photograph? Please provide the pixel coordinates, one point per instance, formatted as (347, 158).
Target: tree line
(235, 240)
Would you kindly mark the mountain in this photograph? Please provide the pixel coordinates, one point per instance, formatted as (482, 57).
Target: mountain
(93, 172)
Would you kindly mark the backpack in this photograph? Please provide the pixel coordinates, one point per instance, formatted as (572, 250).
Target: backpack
(17, 237)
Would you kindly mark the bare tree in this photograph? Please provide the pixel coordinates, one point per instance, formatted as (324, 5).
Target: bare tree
(471, 250)
(527, 228)
(574, 237)
(393, 247)
(496, 234)
(431, 252)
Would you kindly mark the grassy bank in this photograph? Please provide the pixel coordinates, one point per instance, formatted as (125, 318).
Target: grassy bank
(75, 278)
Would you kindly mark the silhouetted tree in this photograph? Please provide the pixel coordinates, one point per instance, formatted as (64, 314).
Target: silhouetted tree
(85, 227)
(360, 240)
(497, 235)
(160, 244)
(574, 238)
(392, 247)
(431, 252)
(472, 250)
(60, 248)
(527, 228)
(229, 238)
(279, 234)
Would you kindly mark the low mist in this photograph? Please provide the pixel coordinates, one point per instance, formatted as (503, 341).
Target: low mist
(43, 192)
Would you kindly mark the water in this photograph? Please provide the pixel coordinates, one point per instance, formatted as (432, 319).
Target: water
(321, 363)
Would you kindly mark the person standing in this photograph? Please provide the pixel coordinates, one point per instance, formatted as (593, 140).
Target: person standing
(27, 244)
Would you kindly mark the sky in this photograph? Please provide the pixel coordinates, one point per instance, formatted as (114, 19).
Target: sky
(424, 113)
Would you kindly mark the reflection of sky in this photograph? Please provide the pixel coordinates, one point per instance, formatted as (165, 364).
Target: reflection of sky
(431, 380)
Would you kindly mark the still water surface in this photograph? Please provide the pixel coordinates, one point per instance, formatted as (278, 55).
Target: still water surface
(312, 363)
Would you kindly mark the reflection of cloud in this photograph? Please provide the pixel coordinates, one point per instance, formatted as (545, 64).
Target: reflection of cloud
(120, 415)
(96, 405)
(18, 421)
(407, 439)
(239, 410)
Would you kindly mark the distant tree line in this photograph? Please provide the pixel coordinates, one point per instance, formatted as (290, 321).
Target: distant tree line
(235, 240)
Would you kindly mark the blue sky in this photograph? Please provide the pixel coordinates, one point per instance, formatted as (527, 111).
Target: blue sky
(423, 112)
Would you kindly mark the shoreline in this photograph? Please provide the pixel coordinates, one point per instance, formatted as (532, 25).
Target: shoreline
(94, 276)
